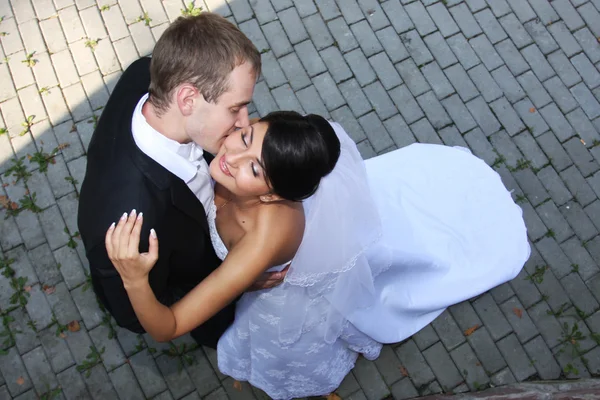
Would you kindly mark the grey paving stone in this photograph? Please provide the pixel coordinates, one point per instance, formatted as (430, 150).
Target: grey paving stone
(363, 72)
(566, 360)
(437, 80)
(12, 368)
(579, 293)
(418, 14)
(404, 390)
(465, 315)
(582, 157)
(416, 47)
(531, 117)
(461, 82)
(492, 317)
(446, 372)
(38, 308)
(586, 69)
(201, 374)
(442, 19)
(335, 63)
(392, 44)
(554, 220)
(448, 331)
(516, 358)
(519, 319)
(147, 373)
(39, 370)
(544, 11)
(352, 12)
(523, 10)
(538, 63)
(412, 77)
(591, 17)
(564, 68)
(293, 25)
(554, 256)
(535, 227)
(177, 379)
(511, 56)
(480, 146)
(542, 359)
(382, 104)
(22, 329)
(509, 85)
(485, 84)
(512, 123)
(465, 20)
(463, 50)
(483, 115)
(388, 366)
(344, 117)
(56, 349)
(502, 293)
(486, 52)
(499, 7)
(585, 130)
(21, 264)
(516, 31)
(397, 16)
(563, 37)
(374, 14)
(425, 337)
(561, 95)
(319, 34)
(424, 132)
(88, 306)
(506, 147)
(370, 380)
(387, 74)
(490, 25)
(77, 102)
(399, 131)
(98, 383)
(469, 366)
(434, 110)
(125, 383)
(328, 90)
(277, 38)
(357, 101)
(440, 50)
(30, 229)
(366, 38)
(568, 14)
(45, 265)
(348, 386)
(459, 113)
(310, 58)
(588, 43)
(592, 247)
(486, 350)
(554, 184)
(73, 386)
(292, 68)
(593, 211)
(578, 186)
(271, 71)
(375, 131)
(412, 359)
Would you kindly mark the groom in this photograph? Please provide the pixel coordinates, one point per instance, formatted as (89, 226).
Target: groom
(147, 154)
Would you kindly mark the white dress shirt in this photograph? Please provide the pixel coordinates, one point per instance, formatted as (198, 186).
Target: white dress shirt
(183, 160)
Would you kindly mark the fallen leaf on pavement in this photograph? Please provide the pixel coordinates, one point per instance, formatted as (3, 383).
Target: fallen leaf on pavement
(333, 396)
(237, 385)
(532, 110)
(48, 289)
(62, 335)
(518, 312)
(403, 371)
(74, 326)
(27, 289)
(20, 380)
(472, 329)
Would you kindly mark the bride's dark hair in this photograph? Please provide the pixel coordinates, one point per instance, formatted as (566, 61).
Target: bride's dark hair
(297, 152)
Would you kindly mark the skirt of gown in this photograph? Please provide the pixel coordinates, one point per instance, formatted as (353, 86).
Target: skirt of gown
(454, 233)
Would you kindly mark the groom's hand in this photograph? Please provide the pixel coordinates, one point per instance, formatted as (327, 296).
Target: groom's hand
(269, 280)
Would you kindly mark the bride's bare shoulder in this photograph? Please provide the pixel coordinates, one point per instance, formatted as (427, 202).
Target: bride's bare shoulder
(281, 225)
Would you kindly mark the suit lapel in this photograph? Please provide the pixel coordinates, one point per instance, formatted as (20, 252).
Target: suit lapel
(185, 201)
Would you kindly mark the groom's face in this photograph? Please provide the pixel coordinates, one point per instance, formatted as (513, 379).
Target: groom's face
(211, 123)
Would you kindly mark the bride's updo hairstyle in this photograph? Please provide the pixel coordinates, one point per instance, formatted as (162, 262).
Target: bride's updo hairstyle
(297, 152)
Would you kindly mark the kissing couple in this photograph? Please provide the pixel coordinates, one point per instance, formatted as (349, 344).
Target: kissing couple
(272, 240)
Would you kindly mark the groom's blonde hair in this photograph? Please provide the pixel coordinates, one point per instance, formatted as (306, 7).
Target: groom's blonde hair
(201, 50)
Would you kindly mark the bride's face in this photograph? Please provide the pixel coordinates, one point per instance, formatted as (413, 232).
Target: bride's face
(238, 165)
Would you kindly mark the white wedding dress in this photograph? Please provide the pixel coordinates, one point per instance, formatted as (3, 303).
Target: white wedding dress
(451, 231)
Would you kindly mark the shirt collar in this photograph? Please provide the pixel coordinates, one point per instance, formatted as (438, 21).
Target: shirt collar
(180, 159)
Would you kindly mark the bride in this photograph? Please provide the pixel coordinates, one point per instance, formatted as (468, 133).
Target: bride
(376, 250)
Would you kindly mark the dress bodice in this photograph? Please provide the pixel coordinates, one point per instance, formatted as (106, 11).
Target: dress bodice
(220, 249)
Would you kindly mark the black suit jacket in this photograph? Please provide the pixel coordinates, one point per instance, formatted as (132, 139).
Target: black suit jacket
(119, 178)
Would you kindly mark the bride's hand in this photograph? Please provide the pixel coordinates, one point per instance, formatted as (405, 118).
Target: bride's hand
(122, 244)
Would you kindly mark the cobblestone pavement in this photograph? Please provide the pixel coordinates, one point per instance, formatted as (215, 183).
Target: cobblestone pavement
(517, 81)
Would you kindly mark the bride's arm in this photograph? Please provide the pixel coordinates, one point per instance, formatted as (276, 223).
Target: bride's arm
(274, 241)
